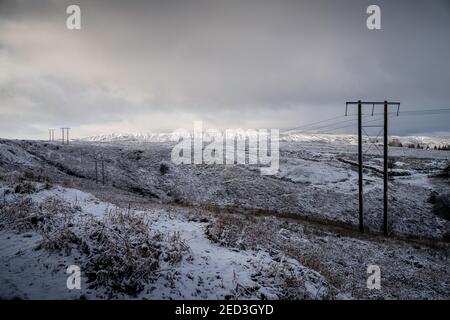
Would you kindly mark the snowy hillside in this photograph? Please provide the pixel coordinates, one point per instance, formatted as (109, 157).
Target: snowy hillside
(298, 136)
(190, 266)
(288, 136)
(129, 137)
(213, 231)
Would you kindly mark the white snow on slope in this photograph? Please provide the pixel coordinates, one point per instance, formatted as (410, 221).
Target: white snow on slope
(288, 136)
(130, 137)
(299, 136)
(210, 272)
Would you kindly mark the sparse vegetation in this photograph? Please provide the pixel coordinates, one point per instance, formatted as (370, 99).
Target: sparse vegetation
(445, 172)
(164, 168)
(442, 205)
(291, 246)
(121, 251)
(25, 187)
(395, 143)
(126, 252)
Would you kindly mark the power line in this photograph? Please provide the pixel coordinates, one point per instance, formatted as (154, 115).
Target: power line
(327, 125)
(331, 124)
(335, 123)
(331, 129)
(421, 112)
(314, 123)
(351, 125)
(424, 113)
(312, 126)
(426, 110)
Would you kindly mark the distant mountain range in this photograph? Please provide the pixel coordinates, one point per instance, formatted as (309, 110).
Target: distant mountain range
(288, 136)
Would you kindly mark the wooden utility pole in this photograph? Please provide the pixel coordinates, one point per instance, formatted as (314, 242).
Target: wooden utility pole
(360, 168)
(96, 171)
(386, 105)
(102, 168)
(385, 171)
(65, 135)
(103, 171)
(51, 135)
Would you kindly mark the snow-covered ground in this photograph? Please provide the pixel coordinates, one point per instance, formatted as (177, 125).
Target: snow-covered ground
(288, 136)
(317, 180)
(237, 234)
(208, 271)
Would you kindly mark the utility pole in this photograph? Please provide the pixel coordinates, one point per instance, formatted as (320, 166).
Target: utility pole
(65, 139)
(360, 168)
(386, 105)
(96, 171)
(385, 171)
(103, 171)
(102, 167)
(51, 135)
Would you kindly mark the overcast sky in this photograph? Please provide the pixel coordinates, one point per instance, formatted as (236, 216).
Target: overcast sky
(148, 66)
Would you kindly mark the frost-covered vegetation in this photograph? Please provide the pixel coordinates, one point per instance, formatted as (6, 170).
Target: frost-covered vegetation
(119, 251)
(158, 230)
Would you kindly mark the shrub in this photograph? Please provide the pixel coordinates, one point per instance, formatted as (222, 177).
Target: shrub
(121, 251)
(29, 175)
(19, 215)
(126, 252)
(25, 187)
(47, 185)
(445, 173)
(395, 143)
(164, 168)
(442, 206)
(67, 183)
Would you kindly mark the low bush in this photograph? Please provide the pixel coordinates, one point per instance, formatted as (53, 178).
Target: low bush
(121, 251)
(25, 187)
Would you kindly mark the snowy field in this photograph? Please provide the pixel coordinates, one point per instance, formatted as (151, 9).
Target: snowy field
(156, 230)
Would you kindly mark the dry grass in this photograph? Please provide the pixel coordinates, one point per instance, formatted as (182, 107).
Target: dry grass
(120, 252)
(262, 232)
(125, 252)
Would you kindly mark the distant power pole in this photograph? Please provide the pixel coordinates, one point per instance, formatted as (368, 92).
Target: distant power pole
(65, 135)
(51, 135)
(384, 127)
(103, 171)
(102, 166)
(96, 171)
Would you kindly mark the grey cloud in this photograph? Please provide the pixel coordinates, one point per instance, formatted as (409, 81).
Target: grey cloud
(157, 65)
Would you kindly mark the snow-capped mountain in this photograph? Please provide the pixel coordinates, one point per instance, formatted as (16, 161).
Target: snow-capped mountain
(288, 136)
(298, 136)
(131, 137)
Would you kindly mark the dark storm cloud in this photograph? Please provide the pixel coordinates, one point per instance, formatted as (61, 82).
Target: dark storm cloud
(148, 66)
